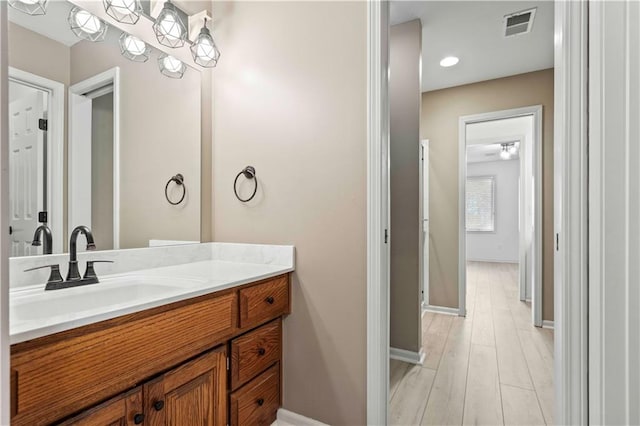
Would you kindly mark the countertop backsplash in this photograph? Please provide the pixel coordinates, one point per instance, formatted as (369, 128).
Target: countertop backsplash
(129, 260)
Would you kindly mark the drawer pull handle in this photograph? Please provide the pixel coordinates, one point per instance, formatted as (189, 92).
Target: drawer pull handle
(261, 351)
(138, 418)
(260, 401)
(270, 300)
(158, 405)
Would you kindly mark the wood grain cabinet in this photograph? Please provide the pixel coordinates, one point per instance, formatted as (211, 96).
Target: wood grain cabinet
(180, 364)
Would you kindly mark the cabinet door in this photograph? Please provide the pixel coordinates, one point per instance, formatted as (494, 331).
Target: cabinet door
(123, 410)
(192, 394)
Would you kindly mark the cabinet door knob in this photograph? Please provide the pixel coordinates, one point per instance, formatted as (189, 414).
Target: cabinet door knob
(260, 401)
(261, 351)
(138, 418)
(270, 300)
(158, 405)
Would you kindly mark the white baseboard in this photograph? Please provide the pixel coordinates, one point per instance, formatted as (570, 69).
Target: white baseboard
(407, 356)
(440, 309)
(547, 324)
(493, 261)
(289, 418)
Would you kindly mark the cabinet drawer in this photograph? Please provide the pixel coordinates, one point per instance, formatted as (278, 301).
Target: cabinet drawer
(264, 301)
(257, 402)
(254, 352)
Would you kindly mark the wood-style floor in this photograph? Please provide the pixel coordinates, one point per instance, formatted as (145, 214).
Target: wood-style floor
(492, 367)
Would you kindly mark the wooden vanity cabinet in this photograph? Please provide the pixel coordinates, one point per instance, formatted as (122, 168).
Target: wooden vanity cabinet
(194, 393)
(169, 365)
(123, 410)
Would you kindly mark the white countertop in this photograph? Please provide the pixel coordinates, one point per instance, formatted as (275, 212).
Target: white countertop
(34, 312)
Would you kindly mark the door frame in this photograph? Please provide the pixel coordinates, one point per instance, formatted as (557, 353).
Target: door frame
(55, 149)
(570, 114)
(424, 266)
(536, 286)
(110, 76)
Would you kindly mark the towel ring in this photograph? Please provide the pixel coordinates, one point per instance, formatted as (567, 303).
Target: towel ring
(249, 172)
(179, 180)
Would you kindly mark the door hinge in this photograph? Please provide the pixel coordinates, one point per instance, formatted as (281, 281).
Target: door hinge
(227, 363)
(42, 217)
(43, 124)
(386, 236)
(557, 242)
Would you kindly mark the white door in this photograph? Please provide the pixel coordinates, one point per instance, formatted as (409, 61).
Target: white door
(26, 172)
(425, 221)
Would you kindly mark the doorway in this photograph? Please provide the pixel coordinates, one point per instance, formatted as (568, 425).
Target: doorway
(94, 175)
(501, 168)
(36, 126)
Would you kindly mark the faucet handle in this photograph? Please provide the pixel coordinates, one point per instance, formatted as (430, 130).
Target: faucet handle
(90, 272)
(54, 276)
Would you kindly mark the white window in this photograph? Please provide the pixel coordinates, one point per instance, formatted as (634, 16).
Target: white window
(480, 202)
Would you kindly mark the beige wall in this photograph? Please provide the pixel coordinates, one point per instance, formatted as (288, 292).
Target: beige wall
(160, 136)
(405, 43)
(29, 51)
(290, 99)
(441, 110)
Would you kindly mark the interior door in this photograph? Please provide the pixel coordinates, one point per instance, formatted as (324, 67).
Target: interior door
(425, 221)
(26, 172)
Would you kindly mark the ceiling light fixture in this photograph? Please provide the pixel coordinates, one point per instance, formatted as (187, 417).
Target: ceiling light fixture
(133, 48)
(204, 50)
(171, 67)
(513, 149)
(30, 7)
(87, 26)
(125, 11)
(169, 29)
(506, 151)
(449, 61)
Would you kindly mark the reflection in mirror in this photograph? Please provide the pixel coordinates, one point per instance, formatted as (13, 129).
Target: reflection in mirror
(95, 135)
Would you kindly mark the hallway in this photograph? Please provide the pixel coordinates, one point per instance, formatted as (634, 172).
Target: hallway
(492, 367)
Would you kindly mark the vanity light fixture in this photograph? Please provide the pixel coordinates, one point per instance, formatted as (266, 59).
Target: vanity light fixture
(169, 29)
(449, 61)
(171, 67)
(204, 50)
(125, 11)
(30, 7)
(133, 48)
(87, 26)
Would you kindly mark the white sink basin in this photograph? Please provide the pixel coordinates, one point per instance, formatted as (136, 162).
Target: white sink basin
(115, 291)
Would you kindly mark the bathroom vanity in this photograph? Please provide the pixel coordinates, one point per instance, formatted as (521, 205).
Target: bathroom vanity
(191, 343)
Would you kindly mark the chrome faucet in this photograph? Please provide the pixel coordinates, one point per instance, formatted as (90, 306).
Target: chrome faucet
(73, 273)
(48, 239)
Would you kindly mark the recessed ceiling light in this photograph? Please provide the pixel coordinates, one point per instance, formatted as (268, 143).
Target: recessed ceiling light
(449, 61)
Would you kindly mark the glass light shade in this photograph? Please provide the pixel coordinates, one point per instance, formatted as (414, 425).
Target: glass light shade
(504, 154)
(133, 48)
(513, 148)
(125, 11)
(30, 7)
(169, 29)
(204, 51)
(171, 67)
(87, 26)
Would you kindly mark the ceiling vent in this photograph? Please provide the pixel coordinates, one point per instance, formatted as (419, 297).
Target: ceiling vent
(519, 22)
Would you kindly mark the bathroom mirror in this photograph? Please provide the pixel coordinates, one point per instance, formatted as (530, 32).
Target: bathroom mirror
(96, 138)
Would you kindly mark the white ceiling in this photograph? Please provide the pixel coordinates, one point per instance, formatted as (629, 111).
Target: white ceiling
(472, 31)
(53, 25)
